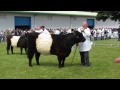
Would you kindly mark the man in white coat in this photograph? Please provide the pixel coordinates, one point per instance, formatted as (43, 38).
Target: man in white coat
(102, 34)
(57, 32)
(42, 30)
(45, 31)
(94, 35)
(85, 47)
(69, 31)
(99, 34)
(38, 29)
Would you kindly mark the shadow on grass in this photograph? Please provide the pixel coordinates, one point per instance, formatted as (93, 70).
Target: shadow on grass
(55, 64)
(16, 54)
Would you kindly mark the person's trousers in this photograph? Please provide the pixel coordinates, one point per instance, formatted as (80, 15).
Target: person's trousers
(85, 58)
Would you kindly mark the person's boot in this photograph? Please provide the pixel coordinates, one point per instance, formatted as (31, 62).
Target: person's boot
(87, 62)
(82, 62)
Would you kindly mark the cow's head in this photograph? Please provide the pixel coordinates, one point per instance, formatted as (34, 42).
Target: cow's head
(79, 37)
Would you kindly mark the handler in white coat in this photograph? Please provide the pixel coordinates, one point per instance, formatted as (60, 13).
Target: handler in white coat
(45, 31)
(85, 47)
(42, 30)
(94, 35)
(38, 29)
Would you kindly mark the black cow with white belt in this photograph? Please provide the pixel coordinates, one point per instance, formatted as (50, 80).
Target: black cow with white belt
(16, 41)
(47, 44)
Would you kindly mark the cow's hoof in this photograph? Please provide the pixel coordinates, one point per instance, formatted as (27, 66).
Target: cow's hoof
(38, 64)
(30, 65)
(60, 66)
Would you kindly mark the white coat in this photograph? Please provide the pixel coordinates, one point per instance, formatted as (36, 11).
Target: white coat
(94, 33)
(102, 33)
(46, 31)
(87, 45)
(99, 32)
(39, 31)
(69, 31)
(57, 32)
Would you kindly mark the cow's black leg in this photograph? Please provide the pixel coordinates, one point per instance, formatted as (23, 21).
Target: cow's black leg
(59, 60)
(26, 50)
(30, 59)
(63, 60)
(30, 55)
(37, 55)
(8, 48)
(12, 49)
(21, 50)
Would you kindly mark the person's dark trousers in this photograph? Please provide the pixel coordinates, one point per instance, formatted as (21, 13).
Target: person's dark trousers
(90, 38)
(119, 37)
(85, 58)
(82, 58)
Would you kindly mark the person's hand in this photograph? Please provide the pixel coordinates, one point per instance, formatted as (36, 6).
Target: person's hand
(82, 30)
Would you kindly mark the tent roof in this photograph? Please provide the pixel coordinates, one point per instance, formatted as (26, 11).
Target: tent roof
(71, 13)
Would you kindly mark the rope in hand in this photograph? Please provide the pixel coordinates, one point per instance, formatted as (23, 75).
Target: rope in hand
(74, 54)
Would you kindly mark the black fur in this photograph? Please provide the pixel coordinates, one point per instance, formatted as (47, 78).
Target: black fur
(61, 46)
(22, 43)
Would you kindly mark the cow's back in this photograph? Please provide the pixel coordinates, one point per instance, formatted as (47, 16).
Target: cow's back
(58, 39)
(58, 47)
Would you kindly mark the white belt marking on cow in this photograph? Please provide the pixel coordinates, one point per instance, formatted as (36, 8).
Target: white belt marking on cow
(14, 41)
(43, 43)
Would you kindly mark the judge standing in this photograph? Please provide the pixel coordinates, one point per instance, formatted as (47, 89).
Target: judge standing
(85, 47)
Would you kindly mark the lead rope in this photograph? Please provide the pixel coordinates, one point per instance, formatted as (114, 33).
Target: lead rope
(74, 55)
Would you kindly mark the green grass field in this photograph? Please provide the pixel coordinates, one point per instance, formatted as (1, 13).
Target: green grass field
(111, 41)
(101, 58)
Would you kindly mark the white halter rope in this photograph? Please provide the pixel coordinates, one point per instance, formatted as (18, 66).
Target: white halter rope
(74, 54)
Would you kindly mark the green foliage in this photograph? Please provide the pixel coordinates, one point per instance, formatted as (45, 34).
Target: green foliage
(103, 15)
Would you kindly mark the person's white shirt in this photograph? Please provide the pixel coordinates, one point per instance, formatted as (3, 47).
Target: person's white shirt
(115, 34)
(69, 31)
(102, 32)
(99, 32)
(46, 31)
(42, 31)
(94, 33)
(57, 32)
(39, 31)
(87, 45)
(109, 32)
